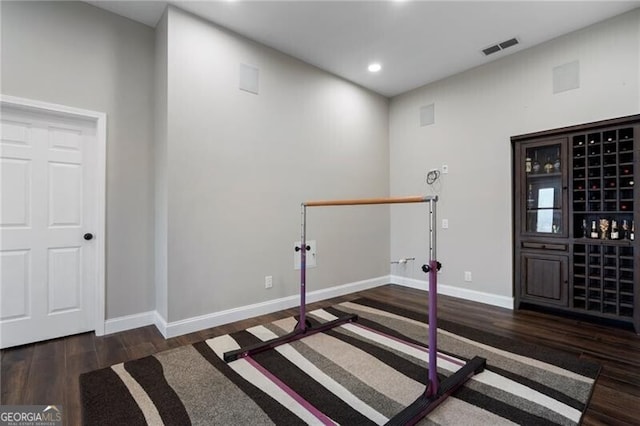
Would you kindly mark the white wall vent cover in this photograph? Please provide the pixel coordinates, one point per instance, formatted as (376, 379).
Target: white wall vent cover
(566, 77)
(427, 115)
(249, 78)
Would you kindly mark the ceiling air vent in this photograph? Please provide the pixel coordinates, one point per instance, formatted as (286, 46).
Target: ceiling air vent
(509, 43)
(500, 46)
(489, 50)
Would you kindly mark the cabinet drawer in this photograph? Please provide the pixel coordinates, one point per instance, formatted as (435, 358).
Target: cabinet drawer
(544, 246)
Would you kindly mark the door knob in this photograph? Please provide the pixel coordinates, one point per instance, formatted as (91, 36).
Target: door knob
(88, 236)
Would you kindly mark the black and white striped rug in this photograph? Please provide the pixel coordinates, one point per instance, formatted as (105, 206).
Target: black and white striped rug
(359, 373)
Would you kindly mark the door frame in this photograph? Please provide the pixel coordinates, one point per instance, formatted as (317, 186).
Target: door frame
(99, 197)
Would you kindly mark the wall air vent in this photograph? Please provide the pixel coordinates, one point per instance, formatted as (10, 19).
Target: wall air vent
(500, 46)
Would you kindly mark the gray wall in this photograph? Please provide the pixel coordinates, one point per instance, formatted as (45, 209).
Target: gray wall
(160, 169)
(239, 165)
(74, 54)
(476, 112)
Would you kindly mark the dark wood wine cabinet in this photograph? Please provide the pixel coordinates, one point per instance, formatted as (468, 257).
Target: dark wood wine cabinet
(575, 204)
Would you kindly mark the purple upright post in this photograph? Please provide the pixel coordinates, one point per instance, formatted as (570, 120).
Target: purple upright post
(433, 329)
(302, 323)
(432, 389)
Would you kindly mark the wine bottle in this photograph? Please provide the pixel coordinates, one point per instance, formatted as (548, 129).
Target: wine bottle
(625, 230)
(633, 231)
(536, 164)
(531, 202)
(585, 230)
(556, 163)
(594, 229)
(527, 165)
(614, 230)
(548, 166)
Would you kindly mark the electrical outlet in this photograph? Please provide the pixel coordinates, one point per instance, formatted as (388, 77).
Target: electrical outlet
(445, 169)
(268, 281)
(467, 276)
(445, 223)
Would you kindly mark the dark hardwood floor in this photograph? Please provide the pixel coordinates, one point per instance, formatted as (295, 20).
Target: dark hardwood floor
(47, 372)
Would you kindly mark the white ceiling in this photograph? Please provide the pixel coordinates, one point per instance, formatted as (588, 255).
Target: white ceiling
(417, 42)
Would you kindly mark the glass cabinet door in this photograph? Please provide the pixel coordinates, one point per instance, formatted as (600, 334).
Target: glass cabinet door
(543, 192)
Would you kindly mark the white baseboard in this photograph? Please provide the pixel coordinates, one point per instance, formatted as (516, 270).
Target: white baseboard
(160, 323)
(129, 321)
(189, 325)
(461, 293)
(214, 319)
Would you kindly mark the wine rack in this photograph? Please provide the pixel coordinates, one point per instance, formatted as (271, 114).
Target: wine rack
(603, 175)
(603, 279)
(603, 195)
(600, 206)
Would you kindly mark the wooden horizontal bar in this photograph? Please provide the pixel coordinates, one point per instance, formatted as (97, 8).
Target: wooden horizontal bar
(361, 201)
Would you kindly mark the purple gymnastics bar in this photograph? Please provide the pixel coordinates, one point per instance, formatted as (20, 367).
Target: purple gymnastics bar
(435, 392)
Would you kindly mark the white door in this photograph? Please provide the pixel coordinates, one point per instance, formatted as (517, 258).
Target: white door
(51, 230)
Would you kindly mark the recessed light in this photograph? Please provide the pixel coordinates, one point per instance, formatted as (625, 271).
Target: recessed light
(375, 67)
